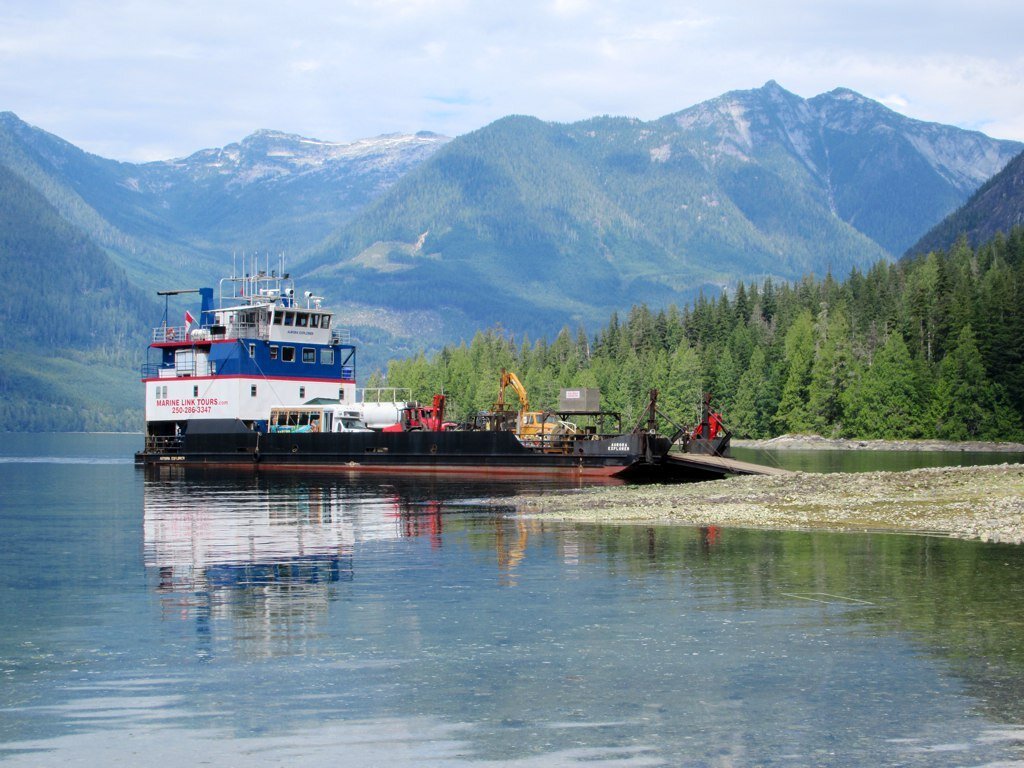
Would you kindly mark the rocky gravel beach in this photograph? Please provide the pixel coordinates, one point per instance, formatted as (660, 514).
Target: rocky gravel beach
(983, 502)
(819, 443)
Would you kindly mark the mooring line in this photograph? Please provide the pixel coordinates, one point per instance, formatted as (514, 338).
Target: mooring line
(840, 598)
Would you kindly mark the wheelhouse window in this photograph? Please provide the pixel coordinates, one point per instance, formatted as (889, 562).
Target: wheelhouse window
(289, 318)
(301, 319)
(314, 321)
(325, 321)
(288, 354)
(277, 317)
(308, 355)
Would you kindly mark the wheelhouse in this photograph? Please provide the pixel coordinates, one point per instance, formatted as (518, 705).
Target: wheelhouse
(256, 347)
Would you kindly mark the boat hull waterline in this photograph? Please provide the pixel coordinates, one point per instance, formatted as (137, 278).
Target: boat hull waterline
(423, 452)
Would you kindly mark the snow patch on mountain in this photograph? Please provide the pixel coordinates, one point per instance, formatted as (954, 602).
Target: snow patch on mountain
(269, 156)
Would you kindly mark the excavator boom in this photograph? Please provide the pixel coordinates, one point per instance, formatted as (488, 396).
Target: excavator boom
(510, 379)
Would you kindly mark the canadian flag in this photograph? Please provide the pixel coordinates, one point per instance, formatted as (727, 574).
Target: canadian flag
(189, 322)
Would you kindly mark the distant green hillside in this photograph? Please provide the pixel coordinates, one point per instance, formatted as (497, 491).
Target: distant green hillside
(70, 351)
(95, 196)
(533, 225)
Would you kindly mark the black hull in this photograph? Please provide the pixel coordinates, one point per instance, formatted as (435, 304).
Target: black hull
(630, 456)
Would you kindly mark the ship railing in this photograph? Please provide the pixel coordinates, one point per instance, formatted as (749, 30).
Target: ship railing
(383, 394)
(163, 443)
(341, 336)
(169, 333)
(251, 330)
(185, 368)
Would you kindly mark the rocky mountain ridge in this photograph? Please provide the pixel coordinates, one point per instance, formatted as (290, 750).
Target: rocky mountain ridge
(268, 155)
(564, 223)
(997, 206)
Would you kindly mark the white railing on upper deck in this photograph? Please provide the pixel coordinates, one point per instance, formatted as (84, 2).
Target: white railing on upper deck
(383, 395)
(175, 333)
(169, 333)
(183, 368)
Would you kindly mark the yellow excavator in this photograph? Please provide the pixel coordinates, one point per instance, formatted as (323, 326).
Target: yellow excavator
(531, 426)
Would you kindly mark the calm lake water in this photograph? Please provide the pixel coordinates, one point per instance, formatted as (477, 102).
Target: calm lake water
(180, 619)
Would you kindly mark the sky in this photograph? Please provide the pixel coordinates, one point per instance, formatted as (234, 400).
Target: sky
(142, 80)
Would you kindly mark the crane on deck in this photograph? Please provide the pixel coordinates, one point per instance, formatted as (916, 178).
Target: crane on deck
(530, 426)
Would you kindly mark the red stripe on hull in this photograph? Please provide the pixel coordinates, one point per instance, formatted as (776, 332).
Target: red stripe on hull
(404, 469)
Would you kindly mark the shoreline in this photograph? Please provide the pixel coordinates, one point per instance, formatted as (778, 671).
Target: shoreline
(983, 502)
(794, 442)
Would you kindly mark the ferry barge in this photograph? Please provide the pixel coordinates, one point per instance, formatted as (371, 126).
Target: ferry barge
(230, 388)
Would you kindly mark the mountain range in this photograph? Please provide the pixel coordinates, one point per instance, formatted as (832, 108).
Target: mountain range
(533, 224)
(420, 239)
(161, 221)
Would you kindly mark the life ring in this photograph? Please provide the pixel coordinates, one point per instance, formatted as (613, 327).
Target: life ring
(169, 334)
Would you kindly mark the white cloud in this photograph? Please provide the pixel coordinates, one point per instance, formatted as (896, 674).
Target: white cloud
(132, 77)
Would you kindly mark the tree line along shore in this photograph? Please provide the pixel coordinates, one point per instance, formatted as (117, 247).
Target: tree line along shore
(930, 347)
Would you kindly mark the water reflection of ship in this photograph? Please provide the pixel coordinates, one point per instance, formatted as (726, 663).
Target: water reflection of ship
(261, 560)
(224, 538)
(224, 543)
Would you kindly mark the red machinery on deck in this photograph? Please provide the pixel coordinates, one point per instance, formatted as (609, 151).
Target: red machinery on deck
(429, 418)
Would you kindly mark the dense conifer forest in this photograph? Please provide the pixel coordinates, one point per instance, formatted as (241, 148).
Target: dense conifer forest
(929, 347)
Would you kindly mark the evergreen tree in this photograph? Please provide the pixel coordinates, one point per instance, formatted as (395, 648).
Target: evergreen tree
(682, 394)
(792, 414)
(829, 374)
(966, 405)
(726, 380)
(868, 357)
(884, 402)
(752, 405)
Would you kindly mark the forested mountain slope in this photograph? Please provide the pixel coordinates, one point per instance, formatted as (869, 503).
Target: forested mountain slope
(998, 206)
(533, 224)
(183, 219)
(73, 322)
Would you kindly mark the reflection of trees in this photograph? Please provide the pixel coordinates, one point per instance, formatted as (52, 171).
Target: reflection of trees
(962, 601)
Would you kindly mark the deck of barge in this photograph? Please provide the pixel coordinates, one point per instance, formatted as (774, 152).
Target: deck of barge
(720, 465)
